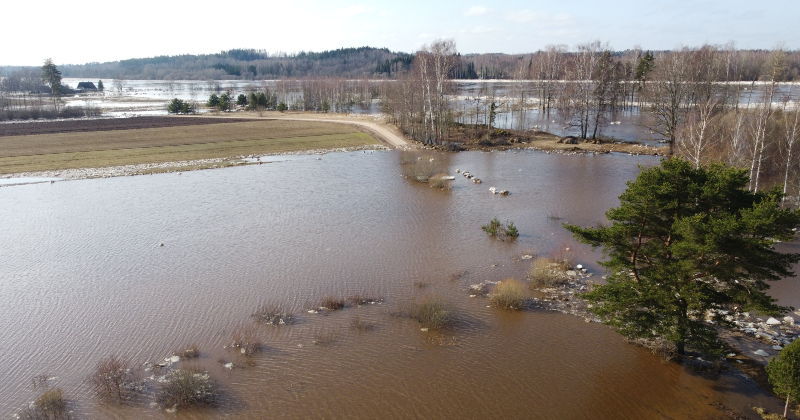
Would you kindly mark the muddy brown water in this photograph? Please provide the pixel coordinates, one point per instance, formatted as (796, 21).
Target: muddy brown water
(83, 277)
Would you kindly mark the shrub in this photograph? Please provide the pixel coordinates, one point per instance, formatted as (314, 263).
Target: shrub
(496, 229)
(546, 273)
(186, 387)
(114, 380)
(508, 294)
(50, 405)
(246, 339)
(272, 314)
(358, 300)
(434, 312)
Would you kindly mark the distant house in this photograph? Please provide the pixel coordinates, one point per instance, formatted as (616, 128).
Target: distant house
(84, 86)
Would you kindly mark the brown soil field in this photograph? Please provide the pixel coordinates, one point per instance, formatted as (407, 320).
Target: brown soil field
(109, 124)
(98, 149)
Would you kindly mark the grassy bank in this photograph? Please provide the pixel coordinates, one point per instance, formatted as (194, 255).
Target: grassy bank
(171, 144)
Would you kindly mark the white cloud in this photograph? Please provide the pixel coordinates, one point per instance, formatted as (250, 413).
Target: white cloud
(483, 29)
(476, 11)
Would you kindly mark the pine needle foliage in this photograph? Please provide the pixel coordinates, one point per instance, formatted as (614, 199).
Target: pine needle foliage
(683, 244)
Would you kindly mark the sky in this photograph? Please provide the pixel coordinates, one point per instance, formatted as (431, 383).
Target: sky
(83, 31)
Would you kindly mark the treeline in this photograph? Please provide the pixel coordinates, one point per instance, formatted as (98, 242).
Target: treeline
(709, 104)
(249, 64)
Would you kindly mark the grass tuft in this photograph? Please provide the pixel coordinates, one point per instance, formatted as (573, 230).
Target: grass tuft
(546, 273)
(434, 312)
(272, 314)
(509, 294)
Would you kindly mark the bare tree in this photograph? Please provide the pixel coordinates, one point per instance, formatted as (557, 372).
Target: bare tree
(666, 95)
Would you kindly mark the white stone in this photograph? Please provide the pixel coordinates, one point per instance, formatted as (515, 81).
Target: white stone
(174, 359)
(778, 348)
(760, 352)
(788, 320)
(228, 365)
(773, 321)
(730, 355)
(572, 273)
(527, 257)
(579, 266)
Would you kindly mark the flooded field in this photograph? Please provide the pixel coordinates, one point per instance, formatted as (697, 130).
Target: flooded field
(140, 267)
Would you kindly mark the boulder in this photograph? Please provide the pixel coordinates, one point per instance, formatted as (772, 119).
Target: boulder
(773, 321)
(777, 348)
(760, 352)
(788, 320)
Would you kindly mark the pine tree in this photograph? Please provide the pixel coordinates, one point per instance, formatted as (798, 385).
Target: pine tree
(784, 374)
(684, 245)
(100, 85)
(51, 76)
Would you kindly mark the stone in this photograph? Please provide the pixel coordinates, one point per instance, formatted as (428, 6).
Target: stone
(228, 365)
(760, 352)
(572, 273)
(527, 257)
(778, 348)
(788, 320)
(773, 321)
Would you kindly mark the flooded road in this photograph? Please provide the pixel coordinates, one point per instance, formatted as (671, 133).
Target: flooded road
(83, 276)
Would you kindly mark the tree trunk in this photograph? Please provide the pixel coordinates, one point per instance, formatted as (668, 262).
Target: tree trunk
(786, 407)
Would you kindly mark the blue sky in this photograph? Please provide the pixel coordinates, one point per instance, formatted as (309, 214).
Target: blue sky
(91, 30)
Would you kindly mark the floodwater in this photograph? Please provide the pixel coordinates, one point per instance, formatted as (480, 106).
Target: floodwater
(150, 97)
(84, 276)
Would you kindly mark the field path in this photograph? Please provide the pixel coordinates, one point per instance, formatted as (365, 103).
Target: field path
(384, 134)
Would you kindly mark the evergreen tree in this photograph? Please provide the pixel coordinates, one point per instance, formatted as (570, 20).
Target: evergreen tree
(100, 85)
(241, 100)
(282, 106)
(51, 76)
(784, 374)
(213, 101)
(685, 244)
(225, 102)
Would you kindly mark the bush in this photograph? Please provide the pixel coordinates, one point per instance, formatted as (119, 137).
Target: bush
(508, 294)
(434, 312)
(546, 273)
(186, 387)
(50, 405)
(496, 229)
(114, 380)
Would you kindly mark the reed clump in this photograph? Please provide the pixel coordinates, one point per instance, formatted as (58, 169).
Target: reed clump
(440, 181)
(509, 294)
(331, 303)
(434, 313)
(545, 273)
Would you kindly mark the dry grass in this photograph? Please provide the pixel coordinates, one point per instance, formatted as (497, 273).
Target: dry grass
(546, 273)
(434, 312)
(509, 294)
(331, 303)
(359, 324)
(439, 181)
(766, 415)
(171, 144)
